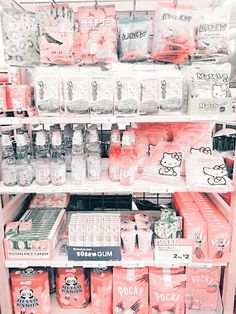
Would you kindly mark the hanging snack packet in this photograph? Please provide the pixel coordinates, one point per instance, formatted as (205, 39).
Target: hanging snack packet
(56, 34)
(134, 33)
(74, 91)
(96, 35)
(209, 89)
(213, 31)
(20, 37)
(170, 89)
(47, 91)
(173, 33)
(101, 93)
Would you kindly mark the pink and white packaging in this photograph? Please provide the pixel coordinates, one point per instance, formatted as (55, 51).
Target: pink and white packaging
(202, 288)
(130, 290)
(167, 290)
(101, 291)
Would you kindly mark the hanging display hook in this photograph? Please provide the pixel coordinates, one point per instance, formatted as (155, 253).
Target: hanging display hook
(134, 9)
(96, 4)
(175, 3)
(15, 2)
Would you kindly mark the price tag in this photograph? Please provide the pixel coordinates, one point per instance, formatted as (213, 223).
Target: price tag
(173, 255)
(103, 119)
(82, 189)
(13, 264)
(132, 264)
(154, 189)
(61, 264)
(90, 264)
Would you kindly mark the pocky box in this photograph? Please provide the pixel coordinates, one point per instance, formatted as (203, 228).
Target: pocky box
(167, 290)
(73, 289)
(30, 291)
(101, 291)
(202, 288)
(130, 290)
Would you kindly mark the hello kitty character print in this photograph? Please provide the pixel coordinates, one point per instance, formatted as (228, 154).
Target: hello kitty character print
(220, 90)
(171, 163)
(216, 174)
(71, 285)
(201, 150)
(27, 299)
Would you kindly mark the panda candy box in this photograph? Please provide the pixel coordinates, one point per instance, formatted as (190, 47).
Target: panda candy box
(30, 291)
(73, 289)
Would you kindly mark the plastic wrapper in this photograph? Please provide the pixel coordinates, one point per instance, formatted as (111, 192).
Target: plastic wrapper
(134, 33)
(207, 172)
(20, 37)
(95, 37)
(74, 91)
(170, 89)
(173, 33)
(213, 31)
(56, 24)
(47, 91)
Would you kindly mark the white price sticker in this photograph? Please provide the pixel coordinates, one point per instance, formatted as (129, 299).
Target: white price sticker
(16, 264)
(173, 255)
(154, 189)
(132, 264)
(103, 119)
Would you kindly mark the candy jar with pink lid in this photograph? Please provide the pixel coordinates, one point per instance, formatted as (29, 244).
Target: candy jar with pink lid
(8, 161)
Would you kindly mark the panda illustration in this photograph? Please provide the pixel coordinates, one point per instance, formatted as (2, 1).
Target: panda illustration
(71, 285)
(27, 299)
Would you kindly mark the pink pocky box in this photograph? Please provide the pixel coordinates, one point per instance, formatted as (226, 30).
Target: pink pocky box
(130, 290)
(167, 290)
(202, 288)
(101, 291)
(73, 289)
(95, 38)
(30, 291)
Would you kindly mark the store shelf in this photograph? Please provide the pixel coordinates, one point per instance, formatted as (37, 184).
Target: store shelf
(114, 119)
(106, 186)
(56, 309)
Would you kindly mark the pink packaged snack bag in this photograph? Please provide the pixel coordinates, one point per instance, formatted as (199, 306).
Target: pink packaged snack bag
(130, 290)
(167, 290)
(30, 291)
(101, 291)
(56, 24)
(95, 38)
(72, 288)
(173, 33)
(202, 288)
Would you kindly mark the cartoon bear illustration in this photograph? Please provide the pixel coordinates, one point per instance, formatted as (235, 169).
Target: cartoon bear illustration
(27, 299)
(71, 285)
(216, 174)
(219, 91)
(170, 163)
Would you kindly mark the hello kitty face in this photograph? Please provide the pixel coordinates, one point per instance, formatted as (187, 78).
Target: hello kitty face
(219, 171)
(71, 281)
(171, 160)
(219, 91)
(201, 150)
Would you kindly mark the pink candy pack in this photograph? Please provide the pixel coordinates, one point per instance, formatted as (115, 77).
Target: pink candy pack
(167, 290)
(130, 290)
(72, 288)
(202, 288)
(30, 291)
(95, 38)
(101, 291)
(173, 33)
(56, 24)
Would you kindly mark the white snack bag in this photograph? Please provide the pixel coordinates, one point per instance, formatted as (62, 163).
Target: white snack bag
(74, 90)
(170, 89)
(47, 91)
(213, 31)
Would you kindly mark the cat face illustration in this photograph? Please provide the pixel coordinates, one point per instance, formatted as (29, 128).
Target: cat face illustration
(71, 281)
(201, 150)
(217, 171)
(171, 160)
(219, 91)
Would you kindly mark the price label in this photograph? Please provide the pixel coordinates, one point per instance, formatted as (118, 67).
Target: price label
(17, 264)
(173, 255)
(61, 264)
(154, 189)
(82, 189)
(103, 119)
(132, 264)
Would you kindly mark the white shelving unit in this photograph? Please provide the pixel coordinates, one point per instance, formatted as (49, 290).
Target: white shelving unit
(13, 207)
